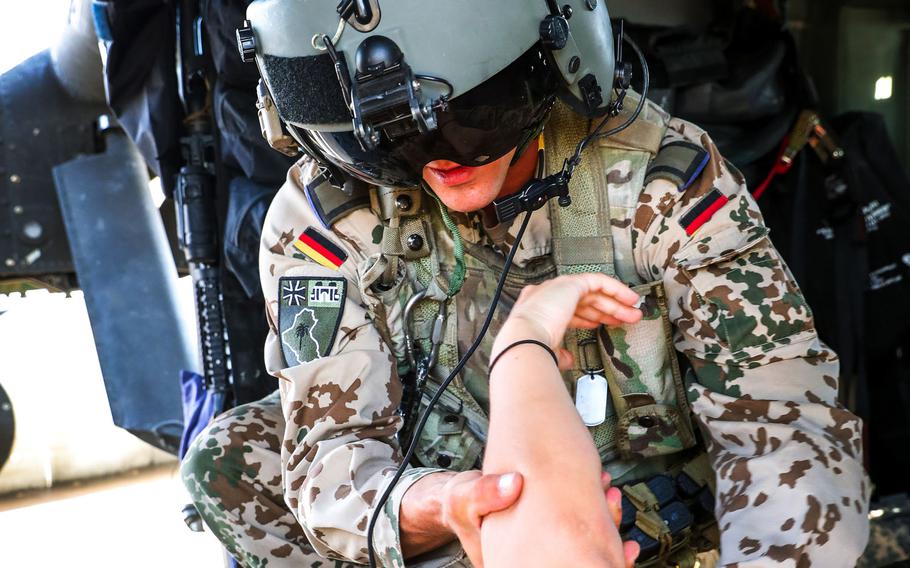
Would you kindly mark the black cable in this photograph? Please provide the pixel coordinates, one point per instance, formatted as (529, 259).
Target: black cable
(461, 363)
(573, 162)
(439, 80)
(568, 170)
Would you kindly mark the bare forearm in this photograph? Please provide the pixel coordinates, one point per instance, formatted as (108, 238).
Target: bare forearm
(527, 395)
(535, 430)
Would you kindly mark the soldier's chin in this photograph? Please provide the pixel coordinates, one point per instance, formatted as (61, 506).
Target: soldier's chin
(467, 197)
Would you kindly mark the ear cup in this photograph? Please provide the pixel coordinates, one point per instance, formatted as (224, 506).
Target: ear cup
(586, 59)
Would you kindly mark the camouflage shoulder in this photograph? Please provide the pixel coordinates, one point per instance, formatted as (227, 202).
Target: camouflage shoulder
(314, 221)
(328, 202)
(695, 203)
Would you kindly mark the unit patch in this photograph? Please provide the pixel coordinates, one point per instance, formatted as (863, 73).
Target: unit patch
(309, 313)
(702, 212)
(316, 247)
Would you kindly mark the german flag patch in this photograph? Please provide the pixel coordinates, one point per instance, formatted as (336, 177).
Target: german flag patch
(320, 249)
(703, 211)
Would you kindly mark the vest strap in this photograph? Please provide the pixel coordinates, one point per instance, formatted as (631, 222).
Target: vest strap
(644, 135)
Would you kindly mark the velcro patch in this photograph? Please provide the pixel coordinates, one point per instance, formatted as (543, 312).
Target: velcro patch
(331, 203)
(309, 313)
(317, 247)
(702, 212)
(679, 162)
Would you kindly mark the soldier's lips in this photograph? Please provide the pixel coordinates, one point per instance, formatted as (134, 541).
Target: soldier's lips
(449, 173)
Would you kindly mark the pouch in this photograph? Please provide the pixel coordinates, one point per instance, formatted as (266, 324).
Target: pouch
(646, 386)
(449, 440)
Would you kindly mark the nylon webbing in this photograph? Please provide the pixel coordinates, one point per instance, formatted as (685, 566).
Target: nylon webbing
(427, 270)
(582, 239)
(584, 227)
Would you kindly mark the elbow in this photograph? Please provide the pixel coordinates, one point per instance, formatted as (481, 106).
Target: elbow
(327, 525)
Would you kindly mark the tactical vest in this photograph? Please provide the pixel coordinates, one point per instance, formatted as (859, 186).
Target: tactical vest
(647, 441)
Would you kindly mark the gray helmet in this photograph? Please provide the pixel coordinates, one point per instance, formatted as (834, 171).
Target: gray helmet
(377, 89)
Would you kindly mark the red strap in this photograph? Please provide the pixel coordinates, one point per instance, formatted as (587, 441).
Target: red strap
(780, 168)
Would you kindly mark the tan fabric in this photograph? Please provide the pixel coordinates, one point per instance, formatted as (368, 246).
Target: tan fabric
(791, 489)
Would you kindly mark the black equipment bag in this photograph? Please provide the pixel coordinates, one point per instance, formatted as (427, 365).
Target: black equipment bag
(844, 233)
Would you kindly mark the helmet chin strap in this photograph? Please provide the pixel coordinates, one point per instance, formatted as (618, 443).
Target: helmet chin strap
(526, 143)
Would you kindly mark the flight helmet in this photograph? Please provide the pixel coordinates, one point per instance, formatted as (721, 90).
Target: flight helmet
(376, 89)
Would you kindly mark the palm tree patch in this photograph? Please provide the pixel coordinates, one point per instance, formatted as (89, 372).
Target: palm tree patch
(309, 314)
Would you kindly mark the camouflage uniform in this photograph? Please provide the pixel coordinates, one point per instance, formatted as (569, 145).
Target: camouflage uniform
(287, 482)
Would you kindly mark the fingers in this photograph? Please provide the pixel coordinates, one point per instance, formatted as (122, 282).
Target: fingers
(488, 494)
(565, 359)
(611, 307)
(473, 549)
(630, 551)
(604, 300)
(493, 493)
(471, 496)
(614, 498)
(592, 314)
(606, 285)
(583, 323)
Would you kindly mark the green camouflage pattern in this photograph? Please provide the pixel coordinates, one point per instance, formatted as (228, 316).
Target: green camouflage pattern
(456, 431)
(645, 382)
(233, 473)
(791, 490)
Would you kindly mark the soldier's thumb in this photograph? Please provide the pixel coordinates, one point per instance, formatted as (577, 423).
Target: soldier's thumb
(496, 492)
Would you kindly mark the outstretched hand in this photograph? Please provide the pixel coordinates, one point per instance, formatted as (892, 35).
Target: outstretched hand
(585, 301)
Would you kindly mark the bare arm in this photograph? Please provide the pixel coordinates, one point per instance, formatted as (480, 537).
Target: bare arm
(536, 430)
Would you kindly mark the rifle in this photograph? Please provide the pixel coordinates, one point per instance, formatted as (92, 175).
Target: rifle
(197, 226)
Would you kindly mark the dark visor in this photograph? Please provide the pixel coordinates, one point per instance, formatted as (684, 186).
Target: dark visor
(477, 127)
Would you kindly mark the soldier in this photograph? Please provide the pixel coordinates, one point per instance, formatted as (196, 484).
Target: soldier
(429, 114)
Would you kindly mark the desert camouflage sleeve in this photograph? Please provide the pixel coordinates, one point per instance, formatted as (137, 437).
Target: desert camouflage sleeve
(339, 449)
(791, 489)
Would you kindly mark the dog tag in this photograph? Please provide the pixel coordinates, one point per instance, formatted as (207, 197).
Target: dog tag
(591, 394)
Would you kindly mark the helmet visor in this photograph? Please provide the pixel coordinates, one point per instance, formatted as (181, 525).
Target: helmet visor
(475, 128)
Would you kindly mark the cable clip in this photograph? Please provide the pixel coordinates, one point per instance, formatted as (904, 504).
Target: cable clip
(533, 196)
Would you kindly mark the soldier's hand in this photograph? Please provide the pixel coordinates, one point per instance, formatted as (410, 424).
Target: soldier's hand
(468, 497)
(446, 505)
(630, 549)
(586, 301)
